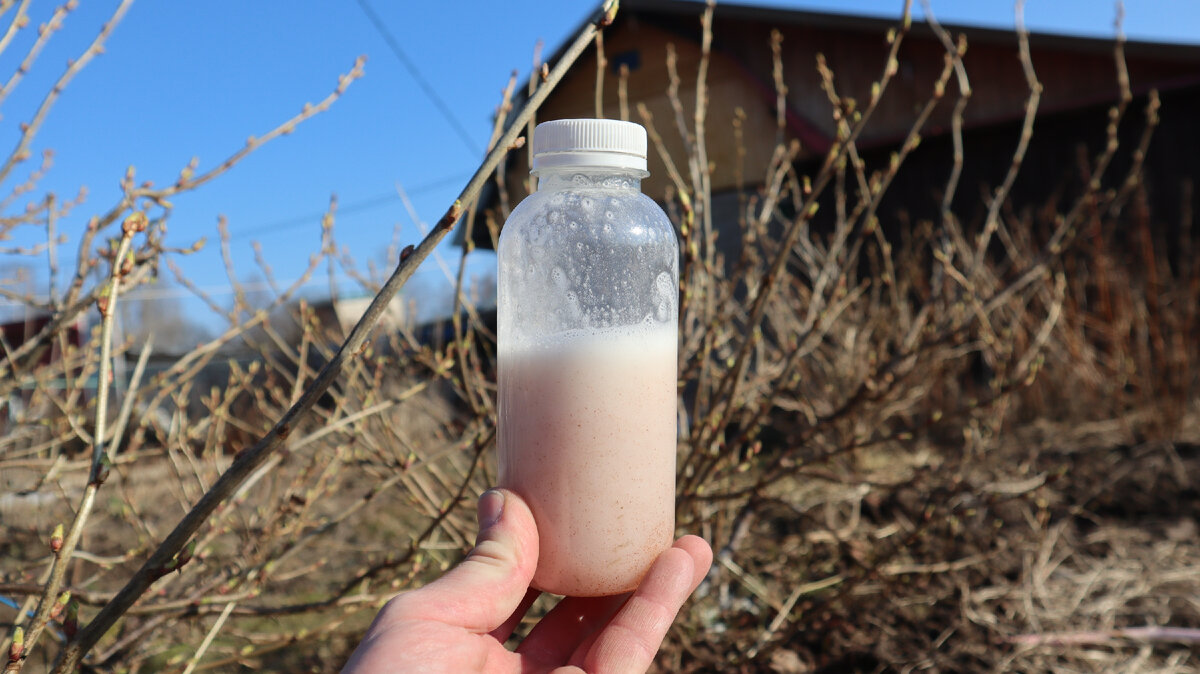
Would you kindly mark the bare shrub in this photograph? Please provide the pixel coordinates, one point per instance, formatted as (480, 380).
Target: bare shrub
(932, 446)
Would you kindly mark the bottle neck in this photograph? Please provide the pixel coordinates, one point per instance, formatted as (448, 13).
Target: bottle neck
(563, 177)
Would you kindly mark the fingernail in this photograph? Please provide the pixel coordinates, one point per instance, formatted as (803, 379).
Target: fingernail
(491, 507)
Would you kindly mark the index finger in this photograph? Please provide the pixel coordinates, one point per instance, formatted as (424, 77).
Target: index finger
(631, 640)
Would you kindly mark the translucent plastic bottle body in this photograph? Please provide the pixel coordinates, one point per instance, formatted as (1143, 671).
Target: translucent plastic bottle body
(587, 314)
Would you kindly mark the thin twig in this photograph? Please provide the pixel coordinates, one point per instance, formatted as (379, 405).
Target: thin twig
(623, 92)
(208, 638)
(101, 458)
(601, 64)
(31, 128)
(45, 32)
(1150, 633)
(20, 20)
(992, 221)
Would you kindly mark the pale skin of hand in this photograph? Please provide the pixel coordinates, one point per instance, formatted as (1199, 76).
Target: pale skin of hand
(459, 622)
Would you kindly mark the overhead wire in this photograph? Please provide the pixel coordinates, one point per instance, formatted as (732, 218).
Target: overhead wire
(366, 204)
(430, 92)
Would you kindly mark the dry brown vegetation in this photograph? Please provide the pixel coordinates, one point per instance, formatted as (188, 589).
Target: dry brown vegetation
(953, 447)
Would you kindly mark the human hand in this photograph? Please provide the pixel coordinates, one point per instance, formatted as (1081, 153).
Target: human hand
(459, 622)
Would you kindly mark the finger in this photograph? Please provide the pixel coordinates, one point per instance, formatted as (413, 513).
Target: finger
(702, 556)
(483, 591)
(699, 550)
(560, 632)
(631, 640)
(576, 620)
(503, 632)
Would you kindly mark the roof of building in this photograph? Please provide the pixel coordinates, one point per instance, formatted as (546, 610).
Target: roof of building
(1083, 77)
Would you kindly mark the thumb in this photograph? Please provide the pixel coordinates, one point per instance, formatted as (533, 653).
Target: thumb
(485, 588)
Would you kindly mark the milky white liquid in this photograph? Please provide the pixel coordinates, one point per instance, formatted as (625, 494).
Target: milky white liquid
(587, 437)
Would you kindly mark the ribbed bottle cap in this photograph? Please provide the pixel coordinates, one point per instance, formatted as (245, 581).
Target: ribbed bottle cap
(589, 143)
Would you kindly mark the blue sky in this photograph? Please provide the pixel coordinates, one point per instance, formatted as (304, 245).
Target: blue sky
(183, 79)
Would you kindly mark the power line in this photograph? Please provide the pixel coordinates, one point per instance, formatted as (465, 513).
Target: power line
(170, 292)
(155, 294)
(366, 204)
(416, 75)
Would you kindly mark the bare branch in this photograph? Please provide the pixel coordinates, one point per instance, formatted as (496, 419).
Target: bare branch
(31, 128)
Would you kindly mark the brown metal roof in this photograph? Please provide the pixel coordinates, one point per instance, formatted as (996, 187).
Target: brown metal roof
(879, 24)
(1078, 71)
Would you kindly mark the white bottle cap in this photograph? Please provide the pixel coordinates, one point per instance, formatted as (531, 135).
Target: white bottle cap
(600, 143)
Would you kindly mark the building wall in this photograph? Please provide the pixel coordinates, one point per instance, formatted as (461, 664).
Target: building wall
(645, 46)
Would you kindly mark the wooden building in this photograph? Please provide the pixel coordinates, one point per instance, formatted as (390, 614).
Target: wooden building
(1078, 76)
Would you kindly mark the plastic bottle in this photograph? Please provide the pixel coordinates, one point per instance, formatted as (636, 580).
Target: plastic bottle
(587, 306)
